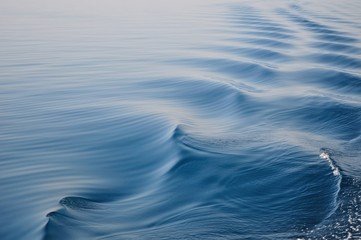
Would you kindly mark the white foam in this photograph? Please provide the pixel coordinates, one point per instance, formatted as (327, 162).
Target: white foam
(326, 156)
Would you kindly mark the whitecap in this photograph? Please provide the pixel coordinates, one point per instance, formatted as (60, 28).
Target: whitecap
(326, 156)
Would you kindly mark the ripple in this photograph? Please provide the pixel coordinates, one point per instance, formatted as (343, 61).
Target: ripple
(338, 60)
(328, 117)
(253, 72)
(267, 42)
(337, 47)
(181, 120)
(79, 203)
(269, 34)
(310, 25)
(336, 38)
(337, 81)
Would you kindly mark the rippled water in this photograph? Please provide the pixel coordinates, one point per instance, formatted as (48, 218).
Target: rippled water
(180, 119)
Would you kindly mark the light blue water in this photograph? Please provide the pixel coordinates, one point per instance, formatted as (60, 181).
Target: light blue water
(180, 119)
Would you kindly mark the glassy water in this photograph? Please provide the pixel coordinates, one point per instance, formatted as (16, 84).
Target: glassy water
(180, 119)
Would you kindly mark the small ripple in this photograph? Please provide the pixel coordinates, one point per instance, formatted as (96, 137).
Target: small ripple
(263, 27)
(271, 35)
(337, 81)
(336, 38)
(266, 42)
(258, 73)
(313, 26)
(336, 47)
(341, 61)
(323, 115)
(258, 53)
(79, 203)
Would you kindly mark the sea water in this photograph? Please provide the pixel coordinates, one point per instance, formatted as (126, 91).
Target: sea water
(180, 119)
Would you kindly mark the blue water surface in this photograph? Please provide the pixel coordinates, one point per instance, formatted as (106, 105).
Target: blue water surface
(180, 119)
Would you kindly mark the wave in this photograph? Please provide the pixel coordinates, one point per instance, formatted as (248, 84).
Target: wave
(202, 121)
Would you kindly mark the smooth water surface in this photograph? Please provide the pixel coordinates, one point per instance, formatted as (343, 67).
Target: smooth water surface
(180, 119)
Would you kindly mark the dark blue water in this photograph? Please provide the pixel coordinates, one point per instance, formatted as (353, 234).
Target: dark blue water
(180, 119)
